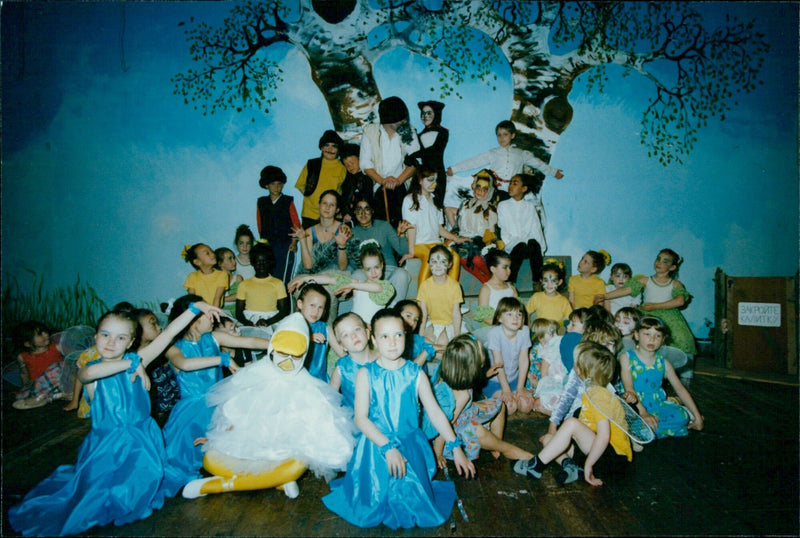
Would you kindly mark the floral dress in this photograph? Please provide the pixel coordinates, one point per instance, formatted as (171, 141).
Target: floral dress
(673, 419)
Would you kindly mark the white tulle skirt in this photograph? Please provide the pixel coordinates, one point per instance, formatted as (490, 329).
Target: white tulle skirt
(264, 416)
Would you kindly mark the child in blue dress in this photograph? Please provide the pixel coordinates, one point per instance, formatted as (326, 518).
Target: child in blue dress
(643, 370)
(120, 465)
(420, 350)
(389, 477)
(198, 362)
(353, 335)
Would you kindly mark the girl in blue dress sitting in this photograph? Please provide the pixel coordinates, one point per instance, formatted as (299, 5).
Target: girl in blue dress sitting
(389, 477)
(353, 335)
(120, 466)
(643, 370)
(198, 361)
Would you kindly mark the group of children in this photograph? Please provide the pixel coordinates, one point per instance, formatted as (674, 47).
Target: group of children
(382, 374)
(383, 361)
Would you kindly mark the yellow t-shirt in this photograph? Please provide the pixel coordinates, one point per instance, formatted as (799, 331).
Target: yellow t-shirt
(556, 307)
(205, 285)
(591, 415)
(261, 294)
(331, 176)
(439, 299)
(584, 290)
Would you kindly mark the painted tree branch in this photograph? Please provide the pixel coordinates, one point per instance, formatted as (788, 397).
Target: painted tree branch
(694, 71)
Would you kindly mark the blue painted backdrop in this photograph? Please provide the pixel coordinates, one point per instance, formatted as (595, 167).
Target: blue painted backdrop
(107, 174)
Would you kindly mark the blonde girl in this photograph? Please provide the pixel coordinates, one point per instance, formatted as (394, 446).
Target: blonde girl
(509, 342)
(553, 374)
(353, 335)
(602, 445)
(389, 477)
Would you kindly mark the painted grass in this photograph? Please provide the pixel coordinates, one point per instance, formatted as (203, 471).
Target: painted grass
(58, 308)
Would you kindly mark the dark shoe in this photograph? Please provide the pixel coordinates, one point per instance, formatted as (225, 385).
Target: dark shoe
(569, 472)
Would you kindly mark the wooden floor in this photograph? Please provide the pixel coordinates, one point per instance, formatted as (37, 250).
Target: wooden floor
(738, 476)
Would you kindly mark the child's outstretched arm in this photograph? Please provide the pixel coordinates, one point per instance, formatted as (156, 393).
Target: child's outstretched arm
(684, 395)
(390, 449)
(157, 346)
(298, 281)
(442, 425)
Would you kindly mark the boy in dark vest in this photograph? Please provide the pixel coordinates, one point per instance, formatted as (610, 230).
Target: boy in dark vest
(276, 217)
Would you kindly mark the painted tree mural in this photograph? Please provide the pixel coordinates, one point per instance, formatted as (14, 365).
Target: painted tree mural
(695, 71)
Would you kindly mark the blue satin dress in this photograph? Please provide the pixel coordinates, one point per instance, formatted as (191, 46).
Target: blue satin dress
(117, 475)
(317, 358)
(348, 368)
(368, 495)
(190, 417)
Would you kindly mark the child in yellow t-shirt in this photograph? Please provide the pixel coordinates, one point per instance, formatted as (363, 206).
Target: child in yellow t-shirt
(440, 299)
(586, 284)
(550, 304)
(207, 282)
(261, 300)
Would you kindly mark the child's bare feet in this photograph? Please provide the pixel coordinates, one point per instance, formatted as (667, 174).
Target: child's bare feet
(70, 407)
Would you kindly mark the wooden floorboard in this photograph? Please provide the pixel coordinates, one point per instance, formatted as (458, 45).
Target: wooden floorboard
(738, 476)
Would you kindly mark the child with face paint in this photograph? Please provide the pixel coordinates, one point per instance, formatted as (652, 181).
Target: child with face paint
(550, 304)
(427, 229)
(440, 299)
(477, 222)
(272, 421)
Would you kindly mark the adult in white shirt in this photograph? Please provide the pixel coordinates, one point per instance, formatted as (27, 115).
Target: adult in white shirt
(384, 148)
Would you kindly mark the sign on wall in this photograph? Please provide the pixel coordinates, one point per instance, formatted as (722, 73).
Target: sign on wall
(760, 314)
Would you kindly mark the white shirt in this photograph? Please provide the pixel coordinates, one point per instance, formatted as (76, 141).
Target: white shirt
(505, 162)
(426, 219)
(392, 153)
(519, 222)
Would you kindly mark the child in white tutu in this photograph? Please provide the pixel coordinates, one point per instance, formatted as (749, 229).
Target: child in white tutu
(272, 420)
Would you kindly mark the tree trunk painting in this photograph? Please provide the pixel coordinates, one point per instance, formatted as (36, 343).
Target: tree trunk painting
(694, 71)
